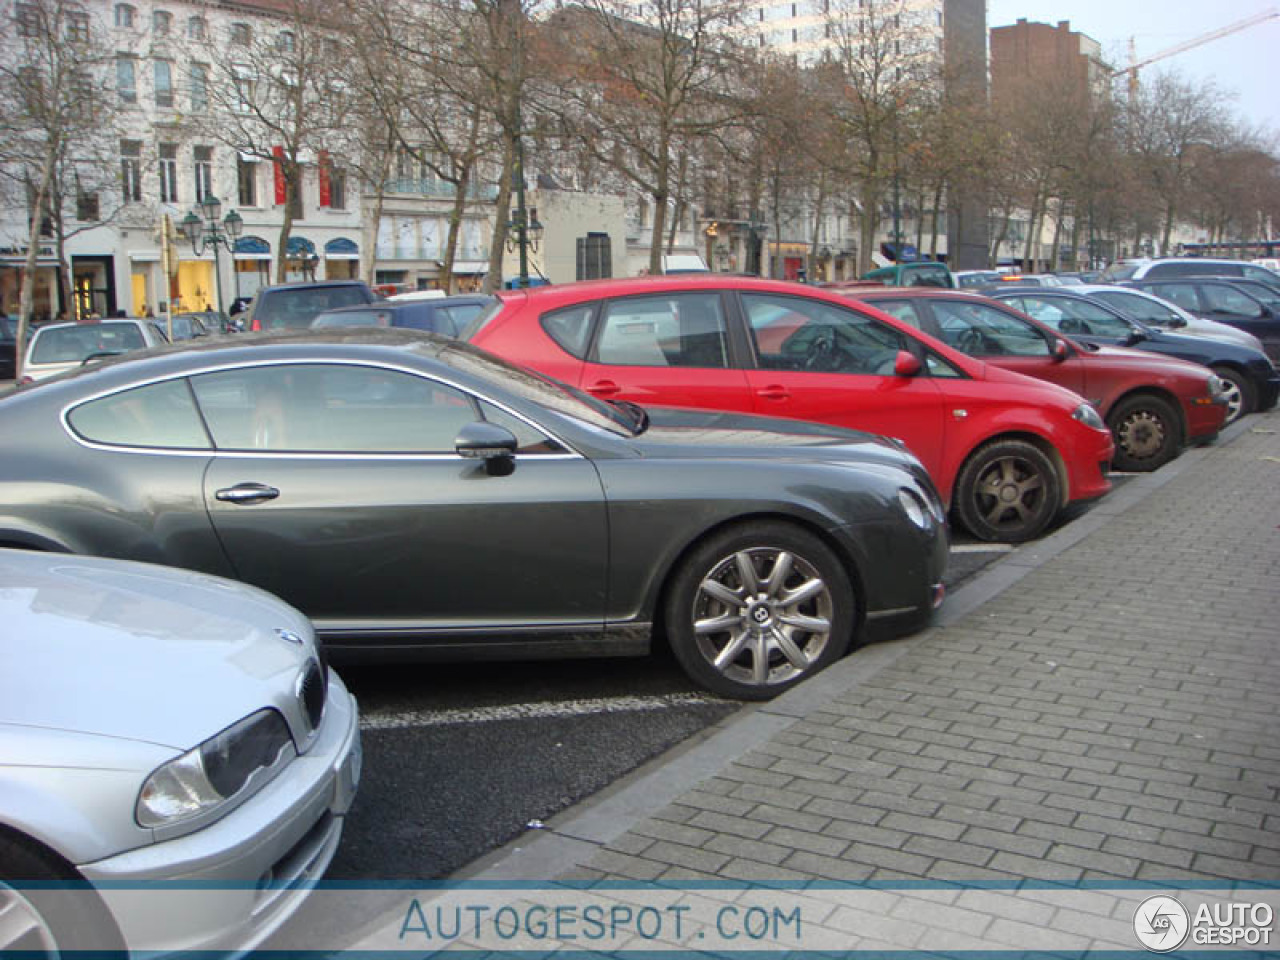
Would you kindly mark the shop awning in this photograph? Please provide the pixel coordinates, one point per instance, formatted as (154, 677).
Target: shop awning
(300, 248)
(252, 248)
(341, 249)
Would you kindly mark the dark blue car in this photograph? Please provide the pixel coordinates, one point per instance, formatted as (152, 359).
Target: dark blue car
(1250, 305)
(445, 315)
(1251, 381)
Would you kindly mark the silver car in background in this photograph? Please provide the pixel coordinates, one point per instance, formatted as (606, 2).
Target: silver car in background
(156, 726)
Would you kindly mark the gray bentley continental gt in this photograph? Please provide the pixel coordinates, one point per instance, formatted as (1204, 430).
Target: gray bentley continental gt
(417, 497)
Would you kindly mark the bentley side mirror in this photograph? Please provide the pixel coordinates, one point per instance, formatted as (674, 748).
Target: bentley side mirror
(906, 364)
(494, 444)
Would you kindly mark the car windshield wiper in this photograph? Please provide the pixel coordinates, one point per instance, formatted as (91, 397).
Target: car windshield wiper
(638, 414)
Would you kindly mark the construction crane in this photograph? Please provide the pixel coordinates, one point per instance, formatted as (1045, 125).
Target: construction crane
(1135, 64)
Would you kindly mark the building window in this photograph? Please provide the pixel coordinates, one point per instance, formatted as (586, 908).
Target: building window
(126, 79)
(594, 257)
(285, 42)
(197, 29)
(78, 27)
(247, 178)
(244, 87)
(204, 172)
(164, 83)
(87, 206)
(124, 15)
(131, 170)
(27, 17)
(240, 34)
(168, 173)
(199, 77)
(338, 189)
(161, 23)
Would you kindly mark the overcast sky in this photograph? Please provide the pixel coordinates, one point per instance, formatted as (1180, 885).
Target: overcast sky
(1246, 63)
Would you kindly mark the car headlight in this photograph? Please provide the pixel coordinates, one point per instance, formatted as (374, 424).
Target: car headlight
(214, 772)
(916, 509)
(1087, 415)
(1215, 385)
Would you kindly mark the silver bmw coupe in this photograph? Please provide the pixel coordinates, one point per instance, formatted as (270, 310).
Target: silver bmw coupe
(175, 758)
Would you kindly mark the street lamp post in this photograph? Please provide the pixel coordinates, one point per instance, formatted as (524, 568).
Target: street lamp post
(524, 223)
(212, 232)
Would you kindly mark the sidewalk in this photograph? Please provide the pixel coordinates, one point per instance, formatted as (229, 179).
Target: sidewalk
(1100, 706)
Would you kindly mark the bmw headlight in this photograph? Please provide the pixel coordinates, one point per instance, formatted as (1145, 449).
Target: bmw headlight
(214, 772)
(1087, 415)
(1216, 386)
(916, 509)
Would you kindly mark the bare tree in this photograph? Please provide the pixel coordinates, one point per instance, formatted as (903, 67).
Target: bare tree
(883, 52)
(1169, 121)
(56, 117)
(427, 93)
(279, 88)
(638, 84)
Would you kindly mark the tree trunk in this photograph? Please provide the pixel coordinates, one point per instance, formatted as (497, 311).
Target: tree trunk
(681, 206)
(818, 204)
(1168, 230)
(26, 300)
(660, 196)
(1057, 237)
(379, 202)
(292, 189)
(920, 197)
(1028, 262)
(933, 224)
(501, 214)
(867, 224)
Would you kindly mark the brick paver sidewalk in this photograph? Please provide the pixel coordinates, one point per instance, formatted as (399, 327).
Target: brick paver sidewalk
(1114, 715)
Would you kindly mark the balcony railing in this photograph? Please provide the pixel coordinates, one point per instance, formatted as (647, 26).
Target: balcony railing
(439, 190)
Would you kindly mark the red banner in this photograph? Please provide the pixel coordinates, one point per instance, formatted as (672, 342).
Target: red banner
(278, 168)
(325, 195)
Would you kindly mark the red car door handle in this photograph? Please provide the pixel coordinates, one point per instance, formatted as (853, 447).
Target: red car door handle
(774, 392)
(604, 388)
(247, 493)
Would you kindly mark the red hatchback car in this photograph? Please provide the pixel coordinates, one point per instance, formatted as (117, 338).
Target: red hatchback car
(1005, 451)
(1153, 403)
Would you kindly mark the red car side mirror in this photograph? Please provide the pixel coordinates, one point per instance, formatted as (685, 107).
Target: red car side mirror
(906, 364)
(1059, 351)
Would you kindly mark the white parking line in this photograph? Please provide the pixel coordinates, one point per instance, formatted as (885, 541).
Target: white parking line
(533, 711)
(981, 547)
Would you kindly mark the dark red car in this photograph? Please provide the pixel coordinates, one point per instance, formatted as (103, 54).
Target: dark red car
(1153, 404)
(1005, 451)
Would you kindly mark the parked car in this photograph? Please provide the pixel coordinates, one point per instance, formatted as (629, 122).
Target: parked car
(1006, 453)
(8, 346)
(1155, 311)
(917, 273)
(445, 315)
(294, 305)
(1222, 300)
(189, 326)
(1250, 379)
(975, 279)
(58, 347)
(1172, 268)
(1152, 404)
(159, 725)
(417, 497)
